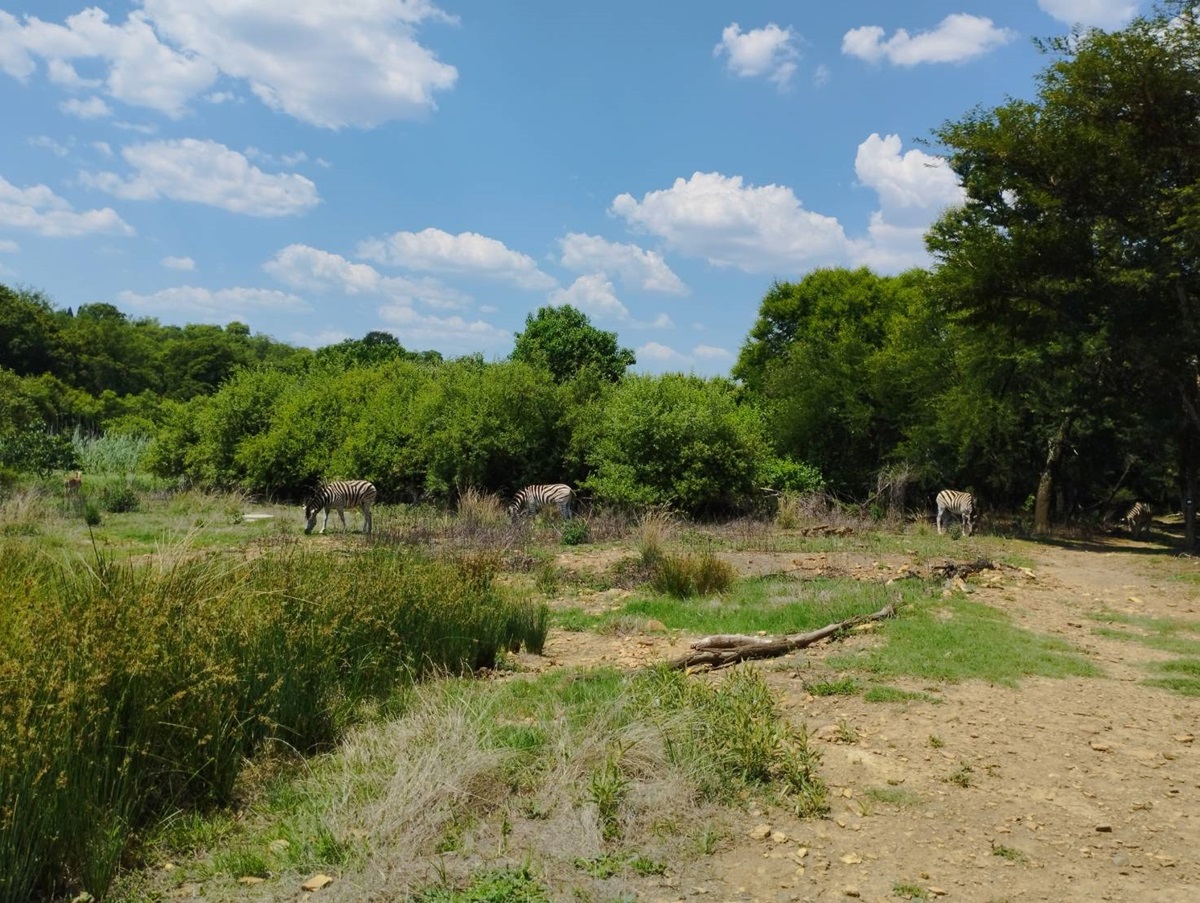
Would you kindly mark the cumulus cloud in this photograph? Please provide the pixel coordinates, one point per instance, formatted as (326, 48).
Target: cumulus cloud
(594, 294)
(39, 210)
(766, 229)
(447, 334)
(7, 246)
(717, 217)
(768, 52)
(46, 143)
(311, 269)
(1107, 14)
(88, 108)
(179, 263)
(205, 172)
(957, 38)
(636, 268)
(195, 304)
(330, 64)
(468, 253)
(913, 188)
(913, 185)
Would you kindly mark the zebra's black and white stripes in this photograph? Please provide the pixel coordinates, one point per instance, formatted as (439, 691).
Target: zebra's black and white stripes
(952, 503)
(339, 495)
(1138, 519)
(531, 498)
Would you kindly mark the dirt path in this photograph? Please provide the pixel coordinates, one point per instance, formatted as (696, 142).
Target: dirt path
(1078, 789)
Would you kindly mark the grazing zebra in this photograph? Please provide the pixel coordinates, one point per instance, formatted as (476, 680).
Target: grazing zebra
(951, 503)
(1138, 519)
(338, 496)
(531, 498)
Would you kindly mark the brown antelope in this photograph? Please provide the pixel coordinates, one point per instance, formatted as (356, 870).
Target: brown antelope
(73, 483)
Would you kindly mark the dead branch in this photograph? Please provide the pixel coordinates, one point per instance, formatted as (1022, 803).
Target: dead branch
(952, 569)
(729, 649)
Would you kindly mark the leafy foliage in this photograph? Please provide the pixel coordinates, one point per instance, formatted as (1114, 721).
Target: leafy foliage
(563, 341)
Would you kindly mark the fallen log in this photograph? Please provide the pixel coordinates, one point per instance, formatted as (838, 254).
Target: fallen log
(729, 649)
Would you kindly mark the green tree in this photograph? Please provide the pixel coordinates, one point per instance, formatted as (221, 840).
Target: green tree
(677, 440)
(1076, 249)
(564, 341)
(845, 361)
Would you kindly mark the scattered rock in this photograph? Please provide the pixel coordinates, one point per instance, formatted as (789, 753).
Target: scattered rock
(316, 882)
(1104, 829)
(761, 832)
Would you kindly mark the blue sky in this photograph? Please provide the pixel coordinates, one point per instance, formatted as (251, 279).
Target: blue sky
(441, 168)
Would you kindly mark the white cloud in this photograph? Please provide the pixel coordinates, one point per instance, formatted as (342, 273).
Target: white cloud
(594, 294)
(353, 62)
(205, 172)
(914, 186)
(635, 267)
(656, 351)
(91, 108)
(756, 229)
(194, 304)
(712, 353)
(311, 269)
(468, 253)
(769, 52)
(179, 263)
(103, 148)
(8, 246)
(40, 210)
(140, 69)
(957, 38)
(1108, 14)
(448, 334)
(46, 143)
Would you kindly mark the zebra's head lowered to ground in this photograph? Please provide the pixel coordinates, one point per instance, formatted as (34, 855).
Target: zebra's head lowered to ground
(532, 498)
(338, 496)
(952, 503)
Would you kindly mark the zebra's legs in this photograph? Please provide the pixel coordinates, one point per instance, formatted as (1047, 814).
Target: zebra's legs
(941, 513)
(366, 511)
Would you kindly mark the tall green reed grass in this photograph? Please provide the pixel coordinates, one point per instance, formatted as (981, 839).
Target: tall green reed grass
(116, 454)
(132, 691)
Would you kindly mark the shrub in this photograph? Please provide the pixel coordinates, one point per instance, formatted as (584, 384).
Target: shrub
(685, 576)
(575, 532)
(119, 500)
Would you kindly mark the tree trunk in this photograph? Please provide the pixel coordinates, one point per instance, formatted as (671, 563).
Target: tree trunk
(1045, 490)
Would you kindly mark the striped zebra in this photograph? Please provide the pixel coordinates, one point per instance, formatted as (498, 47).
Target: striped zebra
(339, 495)
(531, 498)
(952, 503)
(1138, 519)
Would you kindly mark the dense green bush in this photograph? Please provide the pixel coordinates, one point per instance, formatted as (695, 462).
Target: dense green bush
(675, 440)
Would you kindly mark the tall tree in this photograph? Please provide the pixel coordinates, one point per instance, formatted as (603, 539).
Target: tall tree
(1077, 244)
(564, 341)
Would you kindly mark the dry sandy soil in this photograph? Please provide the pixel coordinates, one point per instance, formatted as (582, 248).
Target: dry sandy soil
(1090, 786)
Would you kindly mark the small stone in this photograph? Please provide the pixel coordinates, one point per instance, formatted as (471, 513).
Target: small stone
(1099, 747)
(316, 882)
(852, 859)
(1104, 829)
(779, 837)
(937, 891)
(761, 832)
(1184, 738)
(251, 879)
(851, 891)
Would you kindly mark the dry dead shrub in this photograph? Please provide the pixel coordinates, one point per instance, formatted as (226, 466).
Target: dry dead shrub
(655, 528)
(478, 508)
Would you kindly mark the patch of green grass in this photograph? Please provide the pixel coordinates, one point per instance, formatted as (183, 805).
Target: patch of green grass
(1012, 854)
(608, 865)
(899, 797)
(882, 693)
(1165, 634)
(1181, 676)
(845, 686)
(494, 886)
(574, 620)
(961, 776)
(776, 604)
(910, 891)
(956, 639)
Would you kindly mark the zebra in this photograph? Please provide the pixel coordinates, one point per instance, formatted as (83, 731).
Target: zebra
(339, 495)
(1138, 519)
(531, 498)
(951, 502)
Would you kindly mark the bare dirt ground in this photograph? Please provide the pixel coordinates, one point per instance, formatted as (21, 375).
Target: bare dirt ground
(1077, 789)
